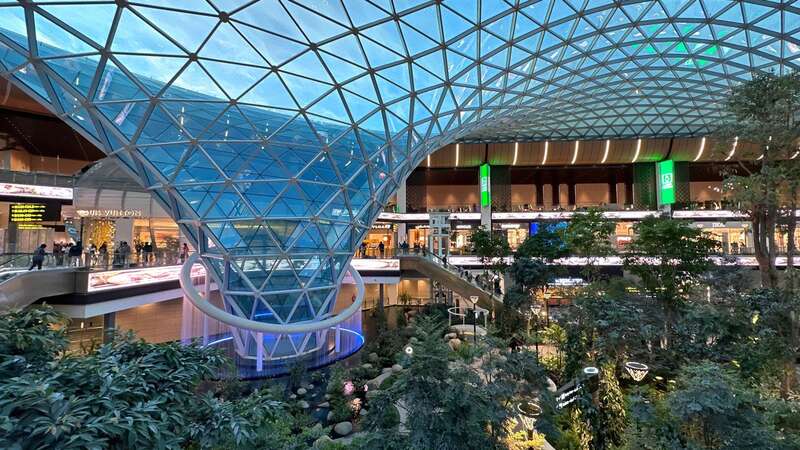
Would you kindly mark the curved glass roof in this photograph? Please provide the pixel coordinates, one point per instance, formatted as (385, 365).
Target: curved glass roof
(275, 130)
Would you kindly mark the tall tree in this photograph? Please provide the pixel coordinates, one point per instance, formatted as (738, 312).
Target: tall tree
(491, 249)
(669, 256)
(589, 235)
(765, 112)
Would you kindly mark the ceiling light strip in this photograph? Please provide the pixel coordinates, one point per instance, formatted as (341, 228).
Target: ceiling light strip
(516, 152)
(638, 150)
(605, 153)
(575, 152)
(544, 158)
(458, 148)
(701, 150)
(733, 148)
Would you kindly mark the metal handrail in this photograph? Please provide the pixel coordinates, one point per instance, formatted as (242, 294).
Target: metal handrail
(203, 304)
(424, 253)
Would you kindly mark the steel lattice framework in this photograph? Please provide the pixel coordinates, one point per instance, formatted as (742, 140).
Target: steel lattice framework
(275, 130)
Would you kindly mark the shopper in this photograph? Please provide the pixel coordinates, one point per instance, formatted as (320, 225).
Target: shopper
(38, 257)
(103, 255)
(148, 252)
(92, 255)
(75, 254)
(184, 253)
(381, 248)
(124, 253)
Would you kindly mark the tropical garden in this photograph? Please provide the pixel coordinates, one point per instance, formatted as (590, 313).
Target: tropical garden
(685, 351)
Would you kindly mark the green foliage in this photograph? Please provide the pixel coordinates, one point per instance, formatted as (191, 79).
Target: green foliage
(490, 248)
(709, 409)
(611, 410)
(546, 244)
(127, 394)
(433, 391)
(669, 256)
(297, 371)
(589, 235)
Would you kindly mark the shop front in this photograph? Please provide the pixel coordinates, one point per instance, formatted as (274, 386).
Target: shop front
(381, 232)
(734, 238)
(461, 238)
(515, 233)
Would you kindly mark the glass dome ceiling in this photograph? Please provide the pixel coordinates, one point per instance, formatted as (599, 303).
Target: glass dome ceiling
(275, 130)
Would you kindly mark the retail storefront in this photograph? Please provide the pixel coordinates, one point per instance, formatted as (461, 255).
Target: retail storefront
(515, 233)
(381, 232)
(31, 216)
(733, 237)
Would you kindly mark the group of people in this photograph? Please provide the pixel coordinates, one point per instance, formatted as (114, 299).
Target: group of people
(73, 255)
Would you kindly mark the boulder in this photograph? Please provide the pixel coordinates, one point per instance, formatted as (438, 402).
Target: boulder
(454, 344)
(386, 369)
(373, 357)
(366, 366)
(343, 428)
(322, 441)
(324, 405)
(363, 412)
(329, 417)
(449, 336)
(302, 391)
(375, 383)
(304, 404)
(310, 386)
(292, 397)
(397, 368)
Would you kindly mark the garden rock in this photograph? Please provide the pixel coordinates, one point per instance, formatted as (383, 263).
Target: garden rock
(363, 412)
(397, 368)
(304, 404)
(343, 428)
(322, 441)
(414, 340)
(327, 396)
(330, 416)
(324, 405)
(449, 336)
(376, 382)
(386, 369)
(366, 366)
(292, 397)
(454, 344)
(302, 391)
(373, 357)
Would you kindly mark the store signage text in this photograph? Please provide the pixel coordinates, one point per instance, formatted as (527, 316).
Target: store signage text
(109, 213)
(27, 212)
(486, 195)
(666, 182)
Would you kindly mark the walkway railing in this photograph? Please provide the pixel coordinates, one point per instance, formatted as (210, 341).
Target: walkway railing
(476, 281)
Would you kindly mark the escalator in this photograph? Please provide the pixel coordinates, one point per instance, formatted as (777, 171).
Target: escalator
(454, 278)
(19, 287)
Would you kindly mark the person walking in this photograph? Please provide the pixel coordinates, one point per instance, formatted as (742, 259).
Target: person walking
(38, 257)
(75, 254)
(124, 252)
(103, 255)
(381, 248)
(184, 253)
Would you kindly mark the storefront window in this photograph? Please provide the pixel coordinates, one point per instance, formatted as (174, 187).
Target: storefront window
(418, 235)
(161, 234)
(380, 233)
(460, 239)
(516, 233)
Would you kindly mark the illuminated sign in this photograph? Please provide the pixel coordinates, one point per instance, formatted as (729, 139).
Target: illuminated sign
(28, 190)
(109, 213)
(27, 212)
(566, 215)
(486, 194)
(666, 182)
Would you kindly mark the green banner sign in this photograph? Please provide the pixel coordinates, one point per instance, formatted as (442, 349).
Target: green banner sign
(666, 182)
(486, 193)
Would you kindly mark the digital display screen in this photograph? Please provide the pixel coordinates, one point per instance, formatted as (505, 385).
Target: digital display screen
(486, 194)
(666, 182)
